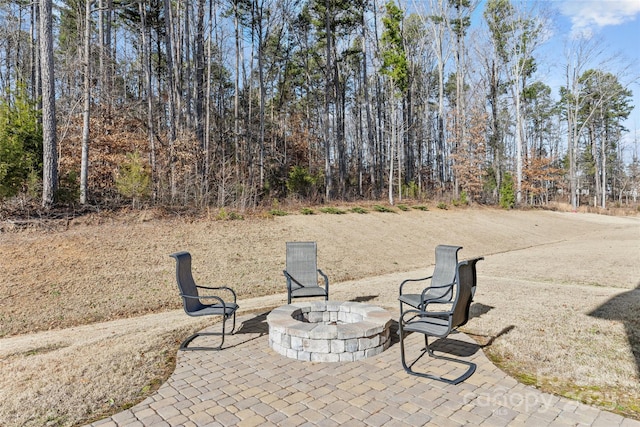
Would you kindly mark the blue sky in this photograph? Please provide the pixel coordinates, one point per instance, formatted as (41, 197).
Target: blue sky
(617, 24)
(614, 23)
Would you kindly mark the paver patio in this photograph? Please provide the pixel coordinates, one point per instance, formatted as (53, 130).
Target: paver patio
(249, 384)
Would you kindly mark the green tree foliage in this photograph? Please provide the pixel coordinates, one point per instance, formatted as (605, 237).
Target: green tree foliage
(394, 58)
(301, 182)
(134, 179)
(507, 192)
(20, 143)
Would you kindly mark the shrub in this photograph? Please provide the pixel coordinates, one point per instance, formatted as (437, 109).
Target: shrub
(300, 181)
(507, 192)
(277, 212)
(223, 215)
(307, 211)
(442, 205)
(133, 178)
(403, 208)
(411, 190)
(462, 200)
(380, 208)
(359, 210)
(332, 210)
(20, 142)
(420, 208)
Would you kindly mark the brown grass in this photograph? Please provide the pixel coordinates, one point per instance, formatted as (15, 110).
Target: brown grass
(90, 318)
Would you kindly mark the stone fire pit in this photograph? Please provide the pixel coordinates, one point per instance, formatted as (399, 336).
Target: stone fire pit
(329, 331)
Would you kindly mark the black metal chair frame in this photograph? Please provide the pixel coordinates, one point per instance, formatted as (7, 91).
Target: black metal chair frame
(193, 302)
(440, 324)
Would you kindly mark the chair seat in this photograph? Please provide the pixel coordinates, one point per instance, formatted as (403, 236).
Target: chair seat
(215, 310)
(412, 299)
(308, 292)
(433, 326)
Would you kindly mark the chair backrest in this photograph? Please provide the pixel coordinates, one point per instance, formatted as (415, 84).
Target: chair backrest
(473, 263)
(302, 263)
(186, 284)
(462, 302)
(444, 272)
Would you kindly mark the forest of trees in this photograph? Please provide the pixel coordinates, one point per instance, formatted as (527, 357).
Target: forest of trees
(241, 102)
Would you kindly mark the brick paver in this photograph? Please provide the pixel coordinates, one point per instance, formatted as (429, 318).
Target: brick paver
(249, 384)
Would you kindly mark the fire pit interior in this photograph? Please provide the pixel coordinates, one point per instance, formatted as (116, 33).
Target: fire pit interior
(329, 331)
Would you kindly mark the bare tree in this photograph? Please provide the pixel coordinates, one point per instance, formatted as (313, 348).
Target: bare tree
(146, 64)
(516, 34)
(439, 26)
(581, 107)
(84, 162)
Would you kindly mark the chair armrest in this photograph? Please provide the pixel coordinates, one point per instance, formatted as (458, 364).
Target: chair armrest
(424, 301)
(421, 313)
(290, 279)
(219, 288)
(412, 280)
(199, 297)
(326, 279)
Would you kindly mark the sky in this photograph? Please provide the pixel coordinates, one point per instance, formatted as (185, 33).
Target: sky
(613, 23)
(617, 24)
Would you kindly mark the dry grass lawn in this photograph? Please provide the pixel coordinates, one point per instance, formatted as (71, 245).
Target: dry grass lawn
(90, 319)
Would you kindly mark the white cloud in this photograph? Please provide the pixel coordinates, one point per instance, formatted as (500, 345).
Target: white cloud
(588, 16)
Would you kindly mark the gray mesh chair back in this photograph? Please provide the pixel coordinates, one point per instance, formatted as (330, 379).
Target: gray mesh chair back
(440, 324)
(444, 273)
(445, 270)
(465, 279)
(302, 272)
(186, 284)
(472, 263)
(302, 263)
(222, 301)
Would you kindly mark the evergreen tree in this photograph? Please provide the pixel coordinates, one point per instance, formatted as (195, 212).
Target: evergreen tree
(20, 142)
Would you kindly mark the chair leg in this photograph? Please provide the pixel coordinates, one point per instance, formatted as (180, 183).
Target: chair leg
(400, 322)
(233, 326)
(185, 344)
(409, 367)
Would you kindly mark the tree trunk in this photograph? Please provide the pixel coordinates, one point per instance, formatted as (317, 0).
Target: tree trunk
(36, 92)
(392, 144)
(172, 97)
(84, 161)
(439, 10)
(236, 99)
(261, 42)
(327, 97)
(146, 59)
(199, 77)
(367, 105)
(49, 140)
(519, 143)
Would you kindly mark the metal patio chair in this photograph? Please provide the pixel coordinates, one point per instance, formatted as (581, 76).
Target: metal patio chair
(444, 273)
(194, 305)
(440, 324)
(302, 272)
